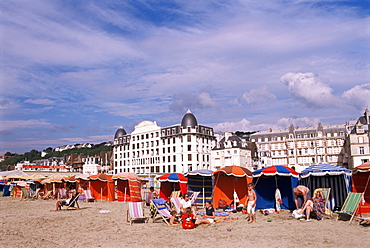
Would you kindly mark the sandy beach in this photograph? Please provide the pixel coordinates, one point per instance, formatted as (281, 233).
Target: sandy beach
(34, 223)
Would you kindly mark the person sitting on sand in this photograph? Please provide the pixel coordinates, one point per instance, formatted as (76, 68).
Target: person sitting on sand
(251, 203)
(315, 205)
(186, 203)
(173, 219)
(301, 195)
(188, 220)
(209, 217)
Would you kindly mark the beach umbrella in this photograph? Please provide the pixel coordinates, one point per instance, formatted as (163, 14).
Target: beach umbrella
(274, 187)
(230, 179)
(328, 176)
(200, 181)
(126, 176)
(172, 182)
(361, 184)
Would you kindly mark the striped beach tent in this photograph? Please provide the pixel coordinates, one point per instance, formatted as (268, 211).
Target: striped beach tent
(200, 181)
(337, 178)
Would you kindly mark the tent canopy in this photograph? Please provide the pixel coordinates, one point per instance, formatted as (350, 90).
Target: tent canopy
(361, 184)
(102, 187)
(200, 181)
(328, 176)
(268, 179)
(325, 169)
(172, 182)
(228, 180)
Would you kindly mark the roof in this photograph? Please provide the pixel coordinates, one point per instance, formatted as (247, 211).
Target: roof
(119, 133)
(189, 120)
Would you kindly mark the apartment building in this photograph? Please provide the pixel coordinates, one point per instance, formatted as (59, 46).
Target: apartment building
(357, 145)
(301, 147)
(231, 150)
(151, 149)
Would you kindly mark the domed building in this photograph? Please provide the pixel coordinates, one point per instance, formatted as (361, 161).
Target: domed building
(151, 149)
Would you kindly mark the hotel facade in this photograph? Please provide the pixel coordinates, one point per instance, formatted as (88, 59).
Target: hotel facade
(151, 149)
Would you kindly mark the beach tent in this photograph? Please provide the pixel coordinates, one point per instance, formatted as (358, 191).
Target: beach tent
(328, 176)
(200, 181)
(172, 182)
(128, 187)
(268, 179)
(102, 187)
(228, 180)
(361, 184)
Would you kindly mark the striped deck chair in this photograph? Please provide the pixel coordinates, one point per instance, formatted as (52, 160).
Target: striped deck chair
(350, 206)
(47, 195)
(88, 196)
(24, 193)
(161, 209)
(135, 212)
(176, 203)
(194, 199)
(326, 195)
(74, 202)
(175, 194)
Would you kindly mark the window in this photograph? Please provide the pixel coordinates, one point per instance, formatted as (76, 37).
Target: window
(189, 157)
(360, 139)
(189, 138)
(189, 148)
(362, 150)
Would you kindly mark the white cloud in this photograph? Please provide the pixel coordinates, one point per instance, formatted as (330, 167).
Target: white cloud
(309, 89)
(23, 124)
(187, 100)
(258, 96)
(358, 96)
(41, 101)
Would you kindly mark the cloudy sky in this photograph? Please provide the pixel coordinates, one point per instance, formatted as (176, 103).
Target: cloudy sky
(74, 71)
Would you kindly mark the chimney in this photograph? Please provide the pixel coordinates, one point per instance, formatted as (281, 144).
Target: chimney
(270, 129)
(367, 116)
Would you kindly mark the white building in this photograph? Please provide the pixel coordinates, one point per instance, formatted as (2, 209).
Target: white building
(231, 150)
(91, 166)
(358, 140)
(151, 149)
(302, 147)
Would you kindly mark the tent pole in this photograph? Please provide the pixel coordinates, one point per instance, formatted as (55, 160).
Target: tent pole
(124, 200)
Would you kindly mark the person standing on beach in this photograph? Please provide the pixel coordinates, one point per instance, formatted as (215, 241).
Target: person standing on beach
(301, 195)
(251, 203)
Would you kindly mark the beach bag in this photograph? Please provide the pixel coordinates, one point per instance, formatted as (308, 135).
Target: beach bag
(187, 221)
(296, 214)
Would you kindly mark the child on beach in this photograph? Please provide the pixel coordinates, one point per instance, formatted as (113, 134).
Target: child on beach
(173, 219)
(251, 203)
(188, 219)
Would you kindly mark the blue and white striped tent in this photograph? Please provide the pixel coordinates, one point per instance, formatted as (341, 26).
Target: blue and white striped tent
(337, 178)
(200, 181)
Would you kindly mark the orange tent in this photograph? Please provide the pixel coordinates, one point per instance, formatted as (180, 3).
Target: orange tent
(102, 187)
(361, 184)
(128, 187)
(228, 180)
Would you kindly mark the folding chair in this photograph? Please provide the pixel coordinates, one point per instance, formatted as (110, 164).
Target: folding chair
(161, 209)
(176, 203)
(36, 194)
(326, 194)
(24, 193)
(135, 212)
(175, 194)
(47, 195)
(74, 202)
(88, 196)
(350, 206)
(194, 199)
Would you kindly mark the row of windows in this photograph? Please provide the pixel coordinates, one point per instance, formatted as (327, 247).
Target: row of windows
(156, 169)
(298, 136)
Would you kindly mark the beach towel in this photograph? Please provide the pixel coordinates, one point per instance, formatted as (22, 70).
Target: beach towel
(219, 214)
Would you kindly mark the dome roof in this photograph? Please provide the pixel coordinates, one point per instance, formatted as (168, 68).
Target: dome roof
(119, 133)
(189, 120)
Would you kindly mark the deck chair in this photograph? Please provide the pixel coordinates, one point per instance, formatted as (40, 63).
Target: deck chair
(194, 199)
(161, 209)
(175, 194)
(73, 202)
(350, 205)
(326, 194)
(135, 212)
(88, 196)
(47, 195)
(176, 203)
(36, 194)
(24, 193)
(62, 193)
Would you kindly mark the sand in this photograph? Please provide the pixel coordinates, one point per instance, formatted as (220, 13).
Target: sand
(34, 223)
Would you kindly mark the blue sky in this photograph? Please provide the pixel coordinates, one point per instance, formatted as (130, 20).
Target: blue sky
(74, 71)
